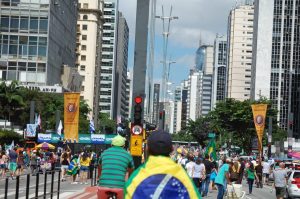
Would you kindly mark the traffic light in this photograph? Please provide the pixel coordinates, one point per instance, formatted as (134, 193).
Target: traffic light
(138, 110)
(162, 115)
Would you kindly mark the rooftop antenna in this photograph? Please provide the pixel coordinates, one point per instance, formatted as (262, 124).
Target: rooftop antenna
(200, 39)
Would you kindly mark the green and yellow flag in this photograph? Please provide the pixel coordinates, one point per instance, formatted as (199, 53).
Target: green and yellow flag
(211, 149)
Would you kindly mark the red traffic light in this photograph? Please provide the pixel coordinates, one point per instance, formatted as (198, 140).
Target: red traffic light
(138, 99)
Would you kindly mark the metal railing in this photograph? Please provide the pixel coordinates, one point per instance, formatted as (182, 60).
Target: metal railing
(37, 185)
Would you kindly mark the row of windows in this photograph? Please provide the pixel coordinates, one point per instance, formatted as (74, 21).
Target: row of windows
(23, 24)
(23, 46)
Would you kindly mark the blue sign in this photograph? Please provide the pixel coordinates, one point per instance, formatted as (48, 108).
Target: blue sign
(44, 137)
(98, 138)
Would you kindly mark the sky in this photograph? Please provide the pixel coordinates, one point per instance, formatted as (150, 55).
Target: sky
(196, 19)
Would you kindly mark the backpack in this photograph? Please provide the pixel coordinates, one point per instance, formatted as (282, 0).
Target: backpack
(235, 172)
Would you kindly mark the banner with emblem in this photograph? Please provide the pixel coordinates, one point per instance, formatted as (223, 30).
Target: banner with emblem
(259, 116)
(71, 115)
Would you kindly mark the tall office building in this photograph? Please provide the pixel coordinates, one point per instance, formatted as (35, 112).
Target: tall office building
(121, 104)
(109, 54)
(156, 108)
(240, 35)
(277, 58)
(36, 39)
(177, 109)
(220, 69)
(206, 80)
(89, 40)
(184, 99)
(193, 95)
(128, 95)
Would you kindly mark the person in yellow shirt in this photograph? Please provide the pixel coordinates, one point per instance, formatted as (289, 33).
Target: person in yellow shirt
(85, 161)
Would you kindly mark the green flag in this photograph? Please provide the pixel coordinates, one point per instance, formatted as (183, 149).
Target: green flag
(211, 149)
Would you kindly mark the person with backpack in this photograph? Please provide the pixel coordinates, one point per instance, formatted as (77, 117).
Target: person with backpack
(259, 174)
(209, 166)
(250, 174)
(235, 170)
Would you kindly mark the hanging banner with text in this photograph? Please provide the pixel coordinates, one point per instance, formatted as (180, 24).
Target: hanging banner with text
(71, 115)
(259, 117)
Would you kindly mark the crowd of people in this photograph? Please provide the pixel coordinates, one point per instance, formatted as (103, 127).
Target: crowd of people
(78, 167)
(116, 167)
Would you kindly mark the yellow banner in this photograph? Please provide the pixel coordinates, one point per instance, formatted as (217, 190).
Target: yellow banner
(71, 116)
(259, 117)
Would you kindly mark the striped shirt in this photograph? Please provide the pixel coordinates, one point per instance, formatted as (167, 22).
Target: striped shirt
(114, 162)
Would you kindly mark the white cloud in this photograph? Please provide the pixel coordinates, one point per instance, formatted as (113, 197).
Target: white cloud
(187, 61)
(205, 17)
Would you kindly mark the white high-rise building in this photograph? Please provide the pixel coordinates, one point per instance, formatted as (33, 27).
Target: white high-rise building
(193, 96)
(177, 109)
(276, 59)
(220, 69)
(206, 81)
(240, 35)
(109, 54)
(89, 33)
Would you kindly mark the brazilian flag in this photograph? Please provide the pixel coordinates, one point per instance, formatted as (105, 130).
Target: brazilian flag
(160, 177)
(211, 149)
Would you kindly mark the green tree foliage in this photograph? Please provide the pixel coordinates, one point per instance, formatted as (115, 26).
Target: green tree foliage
(182, 136)
(10, 99)
(199, 129)
(6, 137)
(106, 125)
(233, 120)
(17, 100)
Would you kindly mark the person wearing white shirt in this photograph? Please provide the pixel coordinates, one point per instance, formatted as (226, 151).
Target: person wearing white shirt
(198, 174)
(266, 172)
(190, 166)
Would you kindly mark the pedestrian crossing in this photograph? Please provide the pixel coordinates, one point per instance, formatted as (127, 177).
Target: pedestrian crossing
(64, 195)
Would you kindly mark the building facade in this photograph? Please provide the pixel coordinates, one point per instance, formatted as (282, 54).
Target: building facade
(108, 61)
(193, 95)
(177, 109)
(184, 101)
(88, 50)
(206, 81)
(121, 104)
(37, 38)
(240, 35)
(277, 58)
(156, 109)
(128, 96)
(220, 69)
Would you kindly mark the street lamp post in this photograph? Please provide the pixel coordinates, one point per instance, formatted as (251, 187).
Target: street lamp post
(165, 33)
(290, 114)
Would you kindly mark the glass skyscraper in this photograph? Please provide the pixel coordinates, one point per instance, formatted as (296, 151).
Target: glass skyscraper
(200, 56)
(37, 37)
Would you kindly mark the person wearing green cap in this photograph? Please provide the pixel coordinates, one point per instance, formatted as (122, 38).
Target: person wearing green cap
(114, 164)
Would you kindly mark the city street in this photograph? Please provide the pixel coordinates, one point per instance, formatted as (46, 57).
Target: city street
(66, 188)
(264, 193)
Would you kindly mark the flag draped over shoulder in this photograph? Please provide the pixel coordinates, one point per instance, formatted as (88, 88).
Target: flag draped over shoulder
(211, 149)
(160, 177)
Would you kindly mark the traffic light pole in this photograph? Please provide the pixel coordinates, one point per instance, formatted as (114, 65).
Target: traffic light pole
(140, 57)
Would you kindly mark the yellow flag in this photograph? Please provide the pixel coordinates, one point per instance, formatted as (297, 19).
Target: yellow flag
(71, 116)
(259, 117)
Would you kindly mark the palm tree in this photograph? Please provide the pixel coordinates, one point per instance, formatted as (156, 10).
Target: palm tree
(10, 99)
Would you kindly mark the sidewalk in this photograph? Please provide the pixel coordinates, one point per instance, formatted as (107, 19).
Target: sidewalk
(88, 193)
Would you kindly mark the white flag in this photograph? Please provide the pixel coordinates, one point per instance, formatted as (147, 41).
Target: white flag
(59, 128)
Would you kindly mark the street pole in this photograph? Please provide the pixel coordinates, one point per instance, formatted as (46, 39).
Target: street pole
(270, 137)
(290, 114)
(166, 33)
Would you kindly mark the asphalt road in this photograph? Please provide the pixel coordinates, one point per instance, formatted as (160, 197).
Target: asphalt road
(66, 188)
(257, 193)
